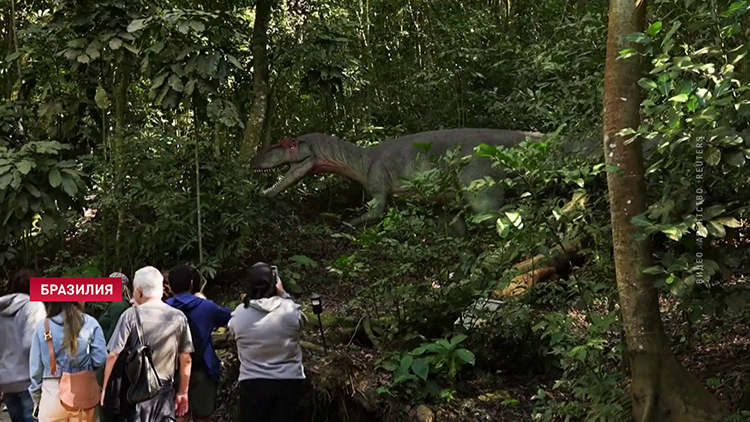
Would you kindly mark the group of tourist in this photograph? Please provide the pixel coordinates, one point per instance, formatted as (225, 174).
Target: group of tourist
(54, 356)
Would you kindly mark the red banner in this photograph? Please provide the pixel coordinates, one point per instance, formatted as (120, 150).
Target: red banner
(76, 289)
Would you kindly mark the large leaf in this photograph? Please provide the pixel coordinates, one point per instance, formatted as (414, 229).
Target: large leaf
(24, 166)
(55, 178)
(716, 229)
(101, 98)
(69, 186)
(176, 83)
(421, 368)
(137, 25)
(465, 355)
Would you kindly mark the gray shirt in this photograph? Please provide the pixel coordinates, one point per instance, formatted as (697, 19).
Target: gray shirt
(165, 330)
(268, 338)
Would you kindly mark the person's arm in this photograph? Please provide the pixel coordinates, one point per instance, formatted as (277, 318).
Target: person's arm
(34, 313)
(98, 348)
(222, 315)
(36, 368)
(116, 345)
(186, 363)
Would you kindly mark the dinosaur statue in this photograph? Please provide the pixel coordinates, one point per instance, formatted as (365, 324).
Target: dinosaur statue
(380, 168)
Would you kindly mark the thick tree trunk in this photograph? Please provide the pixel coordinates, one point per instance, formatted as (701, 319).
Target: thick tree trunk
(662, 390)
(254, 125)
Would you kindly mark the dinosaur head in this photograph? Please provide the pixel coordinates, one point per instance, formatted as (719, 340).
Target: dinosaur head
(292, 154)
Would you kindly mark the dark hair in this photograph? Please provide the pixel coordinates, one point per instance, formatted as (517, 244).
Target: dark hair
(21, 281)
(262, 282)
(181, 279)
(72, 323)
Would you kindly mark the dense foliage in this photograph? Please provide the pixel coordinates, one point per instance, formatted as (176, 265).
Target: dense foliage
(121, 125)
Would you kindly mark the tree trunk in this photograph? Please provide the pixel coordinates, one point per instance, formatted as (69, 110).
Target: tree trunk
(662, 390)
(254, 126)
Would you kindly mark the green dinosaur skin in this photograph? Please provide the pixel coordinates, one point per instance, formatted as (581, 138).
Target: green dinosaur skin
(380, 168)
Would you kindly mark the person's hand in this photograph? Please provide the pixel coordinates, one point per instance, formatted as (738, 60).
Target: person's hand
(279, 286)
(181, 404)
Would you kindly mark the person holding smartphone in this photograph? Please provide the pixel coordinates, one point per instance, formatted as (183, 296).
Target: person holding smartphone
(267, 328)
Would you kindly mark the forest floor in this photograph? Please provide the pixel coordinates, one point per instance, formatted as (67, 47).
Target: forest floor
(716, 353)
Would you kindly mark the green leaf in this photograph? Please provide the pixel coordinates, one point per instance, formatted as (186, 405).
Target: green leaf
(421, 368)
(680, 98)
(389, 366)
(502, 228)
(673, 232)
(515, 219)
(701, 229)
(33, 190)
(83, 58)
(737, 8)
(136, 25)
(713, 156)
(647, 84)
(654, 28)
(458, 339)
(12, 56)
(115, 43)
(176, 83)
(235, 62)
(639, 37)
(656, 269)
(466, 356)
(716, 229)
(94, 49)
(736, 159)
(640, 220)
(133, 49)
(729, 222)
(55, 178)
(198, 26)
(24, 166)
(101, 98)
(69, 186)
(406, 362)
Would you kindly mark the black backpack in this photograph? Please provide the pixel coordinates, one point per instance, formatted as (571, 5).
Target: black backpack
(140, 370)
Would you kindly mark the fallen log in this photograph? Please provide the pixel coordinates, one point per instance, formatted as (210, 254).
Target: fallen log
(550, 266)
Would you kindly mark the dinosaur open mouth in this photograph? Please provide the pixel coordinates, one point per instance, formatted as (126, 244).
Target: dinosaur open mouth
(294, 172)
(281, 178)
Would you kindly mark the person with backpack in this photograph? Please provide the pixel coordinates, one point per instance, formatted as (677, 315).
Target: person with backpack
(204, 316)
(67, 347)
(164, 346)
(18, 320)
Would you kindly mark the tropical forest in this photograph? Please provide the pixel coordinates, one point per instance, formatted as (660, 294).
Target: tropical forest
(509, 210)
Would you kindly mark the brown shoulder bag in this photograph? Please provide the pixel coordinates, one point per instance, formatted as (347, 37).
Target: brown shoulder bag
(78, 391)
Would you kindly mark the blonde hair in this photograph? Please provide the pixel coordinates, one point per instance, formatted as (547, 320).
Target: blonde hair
(72, 317)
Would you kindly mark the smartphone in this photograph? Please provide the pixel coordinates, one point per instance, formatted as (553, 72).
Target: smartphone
(275, 272)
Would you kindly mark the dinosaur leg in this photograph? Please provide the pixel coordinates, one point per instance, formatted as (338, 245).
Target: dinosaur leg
(488, 199)
(375, 213)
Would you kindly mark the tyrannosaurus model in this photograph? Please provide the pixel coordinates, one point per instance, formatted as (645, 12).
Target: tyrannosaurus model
(381, 168)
